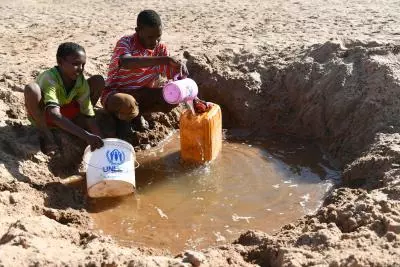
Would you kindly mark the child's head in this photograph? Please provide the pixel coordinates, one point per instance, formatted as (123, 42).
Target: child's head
(71, 59)
(149, 28)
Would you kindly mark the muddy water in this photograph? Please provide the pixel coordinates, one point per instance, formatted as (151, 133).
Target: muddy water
(258, 185)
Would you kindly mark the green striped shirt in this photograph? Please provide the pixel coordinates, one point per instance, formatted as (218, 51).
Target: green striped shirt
(55, 94)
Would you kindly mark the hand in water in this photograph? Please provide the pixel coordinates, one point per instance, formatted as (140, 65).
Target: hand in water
(94, 141)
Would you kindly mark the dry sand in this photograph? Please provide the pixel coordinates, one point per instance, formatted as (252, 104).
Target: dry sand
(325, 70)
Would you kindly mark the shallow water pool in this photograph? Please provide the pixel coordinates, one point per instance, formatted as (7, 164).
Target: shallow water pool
(260, 185)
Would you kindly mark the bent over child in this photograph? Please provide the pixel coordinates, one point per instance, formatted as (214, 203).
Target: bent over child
(61, 97)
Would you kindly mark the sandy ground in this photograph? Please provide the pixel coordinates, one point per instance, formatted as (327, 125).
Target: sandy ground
(325, 70)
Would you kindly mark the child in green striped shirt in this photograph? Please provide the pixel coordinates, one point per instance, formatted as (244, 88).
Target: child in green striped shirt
(61, 95)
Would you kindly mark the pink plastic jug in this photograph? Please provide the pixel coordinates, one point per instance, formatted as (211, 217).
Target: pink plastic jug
(179, 91)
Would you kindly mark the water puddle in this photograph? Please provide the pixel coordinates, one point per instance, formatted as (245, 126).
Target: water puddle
(258, 185)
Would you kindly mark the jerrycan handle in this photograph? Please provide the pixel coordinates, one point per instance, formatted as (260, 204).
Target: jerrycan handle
(179, 76)
(183, 73)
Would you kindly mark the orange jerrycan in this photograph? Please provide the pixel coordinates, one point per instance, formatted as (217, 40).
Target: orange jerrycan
(201, 135)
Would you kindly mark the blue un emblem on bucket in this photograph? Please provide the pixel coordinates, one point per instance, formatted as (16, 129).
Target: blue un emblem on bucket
(115, 157)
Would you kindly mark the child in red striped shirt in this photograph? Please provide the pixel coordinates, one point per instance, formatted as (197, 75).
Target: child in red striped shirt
(138, 61)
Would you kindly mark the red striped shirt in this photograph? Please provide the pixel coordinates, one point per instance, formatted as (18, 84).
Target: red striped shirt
(127, 79)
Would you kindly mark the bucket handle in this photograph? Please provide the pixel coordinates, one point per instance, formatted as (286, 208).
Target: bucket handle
(136, 164)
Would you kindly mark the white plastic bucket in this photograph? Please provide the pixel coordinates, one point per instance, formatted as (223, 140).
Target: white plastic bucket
(110, 170)
(178, 91)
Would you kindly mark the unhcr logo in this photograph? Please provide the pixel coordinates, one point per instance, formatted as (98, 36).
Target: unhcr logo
(115, 157)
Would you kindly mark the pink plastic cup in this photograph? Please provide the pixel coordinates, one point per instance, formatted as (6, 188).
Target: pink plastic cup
(179, 91)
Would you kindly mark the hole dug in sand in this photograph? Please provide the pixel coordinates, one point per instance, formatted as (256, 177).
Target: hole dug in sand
(343, 97)
(346, 99)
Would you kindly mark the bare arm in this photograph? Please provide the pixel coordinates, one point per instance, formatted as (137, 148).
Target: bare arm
(92, 126)
(93, 140)
(130, 62)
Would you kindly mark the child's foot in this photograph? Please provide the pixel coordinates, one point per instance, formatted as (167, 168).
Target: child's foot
(124, 129)
(57, 140)
(47, 145)
(140, 124)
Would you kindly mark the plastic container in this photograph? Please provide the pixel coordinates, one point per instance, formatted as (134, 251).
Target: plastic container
(179, 91)
(110, 170)
(201, 135)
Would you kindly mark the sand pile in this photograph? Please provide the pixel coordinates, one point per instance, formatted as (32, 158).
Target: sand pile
(273, 67)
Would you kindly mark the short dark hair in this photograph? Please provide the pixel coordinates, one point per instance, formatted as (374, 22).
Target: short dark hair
(148, 18)
(68, 48)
